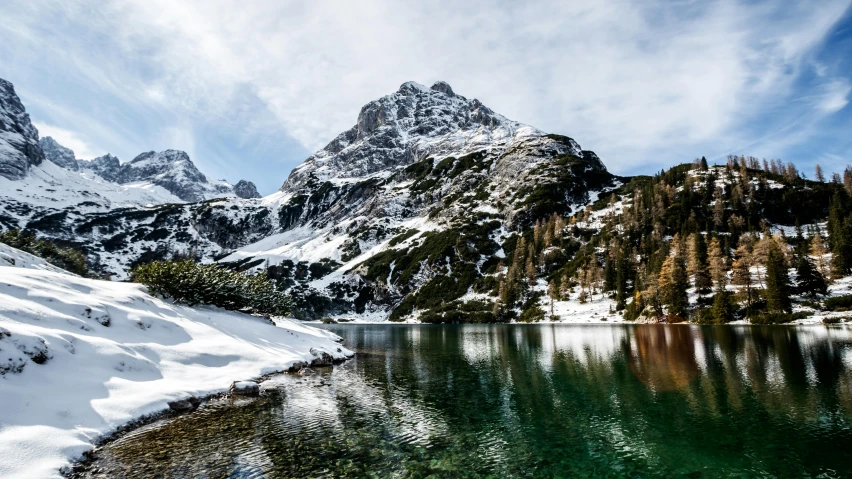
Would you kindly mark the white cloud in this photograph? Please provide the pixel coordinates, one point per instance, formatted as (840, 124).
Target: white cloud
(69, 139)
(834, 96)
(636, 81)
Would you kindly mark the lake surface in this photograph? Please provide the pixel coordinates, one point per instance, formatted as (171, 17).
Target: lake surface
(529, 401)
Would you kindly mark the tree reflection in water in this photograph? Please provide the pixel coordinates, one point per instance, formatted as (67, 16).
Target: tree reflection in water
(530, 401)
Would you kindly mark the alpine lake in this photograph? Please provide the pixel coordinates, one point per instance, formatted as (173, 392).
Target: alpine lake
(527, 401)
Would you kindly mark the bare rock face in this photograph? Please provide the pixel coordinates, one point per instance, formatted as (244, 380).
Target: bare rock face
(106, 166)
(246, 189)
(19, 145)
(58, 154)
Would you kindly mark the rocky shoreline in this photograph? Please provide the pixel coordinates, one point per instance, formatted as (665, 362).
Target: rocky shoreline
(81, 468)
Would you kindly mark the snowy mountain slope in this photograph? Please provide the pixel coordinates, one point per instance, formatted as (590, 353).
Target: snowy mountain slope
(81, 357)
(19, 148)
(10, 256)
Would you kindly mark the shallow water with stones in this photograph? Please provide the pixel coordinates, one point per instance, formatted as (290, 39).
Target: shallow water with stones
(528, 401)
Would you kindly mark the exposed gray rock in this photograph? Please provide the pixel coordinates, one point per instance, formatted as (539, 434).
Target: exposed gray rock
(107, 167)
(58, 154)
(19, 146)
(244, 388)
(171, 169)
(321, 358)
(184, 405)
(246, 189)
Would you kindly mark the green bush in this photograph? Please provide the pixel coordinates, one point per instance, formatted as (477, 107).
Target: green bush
(839, 303)
(778, 318)
(65, 258)
(191, 283)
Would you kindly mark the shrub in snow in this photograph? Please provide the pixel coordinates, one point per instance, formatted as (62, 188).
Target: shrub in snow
(191, 283)
(65, 258)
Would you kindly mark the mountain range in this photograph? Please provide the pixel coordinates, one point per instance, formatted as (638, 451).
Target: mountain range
(422, 203)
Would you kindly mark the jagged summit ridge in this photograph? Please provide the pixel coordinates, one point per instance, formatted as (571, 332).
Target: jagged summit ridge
(58, 154)
(407, 126)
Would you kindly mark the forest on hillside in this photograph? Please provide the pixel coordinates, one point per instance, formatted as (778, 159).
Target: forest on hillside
(693, 243)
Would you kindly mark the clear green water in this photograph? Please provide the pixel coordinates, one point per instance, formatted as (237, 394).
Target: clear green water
(525, 401)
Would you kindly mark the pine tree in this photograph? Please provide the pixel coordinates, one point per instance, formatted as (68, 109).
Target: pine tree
(717, 263)
(722, 311)
(839, 237)
(719, 208)
(673, 281)
(777, 281)
(809, 281)
(704, 166)
(742, 269)
(819, 175)
(818, 250)
(847, 180)
(564, 286)
(609, 274)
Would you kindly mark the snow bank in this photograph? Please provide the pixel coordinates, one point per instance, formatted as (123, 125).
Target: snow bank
(81, 357)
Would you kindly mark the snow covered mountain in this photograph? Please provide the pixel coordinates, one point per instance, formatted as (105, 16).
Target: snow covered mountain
(171, 169)
(420, 167)
(405, 127)
(40, 195)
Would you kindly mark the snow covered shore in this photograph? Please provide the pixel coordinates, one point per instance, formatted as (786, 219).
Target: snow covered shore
(81, 357)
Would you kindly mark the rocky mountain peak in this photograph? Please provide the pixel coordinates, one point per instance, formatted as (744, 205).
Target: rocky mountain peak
(58, 154)
(404, 127)
(246, 189)
(19, 146)
(106, 166)
(443, 87)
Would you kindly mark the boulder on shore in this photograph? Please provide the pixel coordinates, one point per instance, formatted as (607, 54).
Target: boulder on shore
(244, 388)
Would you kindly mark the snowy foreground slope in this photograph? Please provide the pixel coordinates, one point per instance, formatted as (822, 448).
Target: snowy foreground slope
(81, 357)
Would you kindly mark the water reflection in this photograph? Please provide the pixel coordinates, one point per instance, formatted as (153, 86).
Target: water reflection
(531, 401)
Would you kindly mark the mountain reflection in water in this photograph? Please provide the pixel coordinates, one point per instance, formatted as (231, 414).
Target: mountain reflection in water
(529, 401)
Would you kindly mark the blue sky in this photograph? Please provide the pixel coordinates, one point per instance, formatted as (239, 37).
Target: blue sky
(250, 89)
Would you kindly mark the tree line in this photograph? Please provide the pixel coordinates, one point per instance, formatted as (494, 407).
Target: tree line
(694, 228)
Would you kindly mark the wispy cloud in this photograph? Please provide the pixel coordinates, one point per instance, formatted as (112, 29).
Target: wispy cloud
(642, 83)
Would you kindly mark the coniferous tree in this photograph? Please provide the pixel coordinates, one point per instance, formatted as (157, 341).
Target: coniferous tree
(809, 281)
(818, 250)
(839, 237)
(717, 263)
(742, 270)
(777, 281)
(819, 175)
(847, 180)
(719, 208)
(722, 311)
